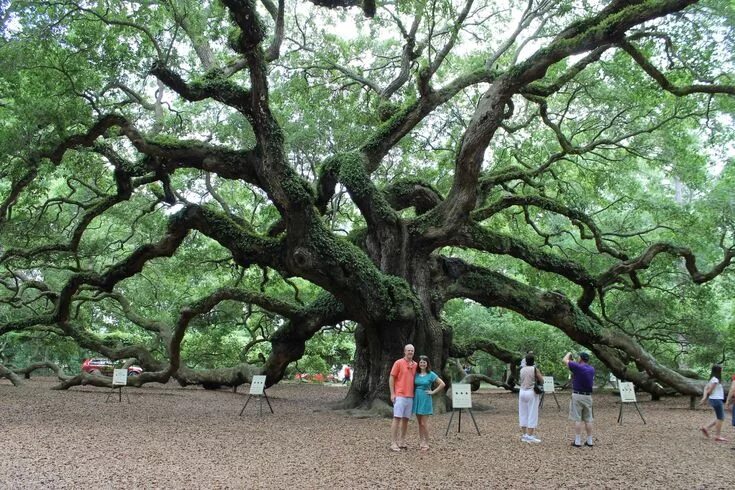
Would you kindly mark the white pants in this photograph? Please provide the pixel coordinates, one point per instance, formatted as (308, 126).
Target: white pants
(528, 408)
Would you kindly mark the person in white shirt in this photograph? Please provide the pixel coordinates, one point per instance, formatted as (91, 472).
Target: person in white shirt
(716, 395)
(528, 400)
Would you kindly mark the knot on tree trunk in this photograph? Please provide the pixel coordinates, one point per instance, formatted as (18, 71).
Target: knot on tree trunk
(302, 257)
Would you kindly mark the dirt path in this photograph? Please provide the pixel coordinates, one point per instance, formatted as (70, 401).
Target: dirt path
(170, 437)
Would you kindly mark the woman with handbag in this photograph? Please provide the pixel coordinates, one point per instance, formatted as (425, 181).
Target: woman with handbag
(528, 399)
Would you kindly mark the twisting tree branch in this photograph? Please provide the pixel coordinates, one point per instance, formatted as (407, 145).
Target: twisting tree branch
(644, 260)
(556, 207)
(665, 83)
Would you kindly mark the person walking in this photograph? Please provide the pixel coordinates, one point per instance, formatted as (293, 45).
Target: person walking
(580, 408)
(401, 395)
(716, 396)
(728, 401)
(528, 400)
(423, 405)
(348, 374)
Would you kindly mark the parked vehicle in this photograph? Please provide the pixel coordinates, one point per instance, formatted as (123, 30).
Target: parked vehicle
(98, 366)
(315, 378)
(134, 370)
(105, 367)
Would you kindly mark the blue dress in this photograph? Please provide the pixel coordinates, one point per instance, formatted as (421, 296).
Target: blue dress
(422, 404)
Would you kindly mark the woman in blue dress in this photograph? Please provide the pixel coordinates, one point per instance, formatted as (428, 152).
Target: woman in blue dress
(422, 402)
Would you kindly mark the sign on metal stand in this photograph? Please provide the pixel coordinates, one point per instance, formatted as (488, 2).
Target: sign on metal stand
(461, 399)
(549, 388)
(257, 389)
(119, 380)
(627, 395)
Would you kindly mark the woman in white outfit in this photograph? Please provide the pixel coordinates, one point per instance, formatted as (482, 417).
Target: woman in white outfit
(528, 400)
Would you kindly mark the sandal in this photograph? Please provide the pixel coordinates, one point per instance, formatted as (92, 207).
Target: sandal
(704, 431)
(424, 448)
(720, 439)
(403, 446)
(395, 448)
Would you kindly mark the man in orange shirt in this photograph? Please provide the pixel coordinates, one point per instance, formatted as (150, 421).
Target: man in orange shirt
(401, 394)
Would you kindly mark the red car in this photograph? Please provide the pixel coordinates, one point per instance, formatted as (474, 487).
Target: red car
(104, 366)
(134, 370)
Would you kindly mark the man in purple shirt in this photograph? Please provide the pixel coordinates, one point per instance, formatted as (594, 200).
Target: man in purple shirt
(580, 409)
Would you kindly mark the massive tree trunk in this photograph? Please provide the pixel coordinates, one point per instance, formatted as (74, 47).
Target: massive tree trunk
(379, 347)
(410, 319)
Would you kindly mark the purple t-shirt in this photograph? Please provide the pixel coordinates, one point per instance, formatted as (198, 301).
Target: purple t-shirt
(583, 376)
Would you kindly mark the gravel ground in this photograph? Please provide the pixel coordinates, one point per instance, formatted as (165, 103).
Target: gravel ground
(172, 437)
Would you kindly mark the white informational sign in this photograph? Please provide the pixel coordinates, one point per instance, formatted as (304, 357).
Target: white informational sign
(548, 384)
(461, 395)
(257, 385)
(627, 392)
(120, 377)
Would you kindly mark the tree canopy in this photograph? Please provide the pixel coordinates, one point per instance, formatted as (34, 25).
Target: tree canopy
(181, 178)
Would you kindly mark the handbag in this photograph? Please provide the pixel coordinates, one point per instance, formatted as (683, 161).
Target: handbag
(538, 386)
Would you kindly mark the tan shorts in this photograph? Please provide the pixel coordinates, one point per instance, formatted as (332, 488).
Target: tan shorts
(580, 408)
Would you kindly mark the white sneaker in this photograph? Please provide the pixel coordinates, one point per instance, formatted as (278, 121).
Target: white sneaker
(524, 438)
(533, 439)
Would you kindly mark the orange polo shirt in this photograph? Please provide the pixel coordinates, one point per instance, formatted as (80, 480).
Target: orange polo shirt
(403, 374)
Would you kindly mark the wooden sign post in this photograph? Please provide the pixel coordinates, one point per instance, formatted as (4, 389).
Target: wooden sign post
(627, 395)
(461, 399)
(119, 379)
(257, 389)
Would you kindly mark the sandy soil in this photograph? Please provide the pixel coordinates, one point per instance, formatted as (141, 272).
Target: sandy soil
(170, 437)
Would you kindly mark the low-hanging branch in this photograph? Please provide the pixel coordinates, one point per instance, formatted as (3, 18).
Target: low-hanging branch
(470, 346)
(477, 237)
(493, 289)
(10, 375)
